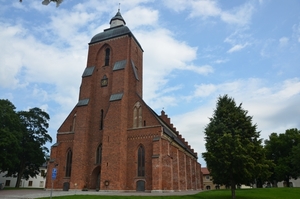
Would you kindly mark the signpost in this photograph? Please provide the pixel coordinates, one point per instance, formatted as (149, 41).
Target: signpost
(54, 172)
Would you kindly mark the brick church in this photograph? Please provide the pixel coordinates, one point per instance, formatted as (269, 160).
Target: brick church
(112, 140)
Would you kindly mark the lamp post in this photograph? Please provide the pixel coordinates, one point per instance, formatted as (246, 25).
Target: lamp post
(54, 172)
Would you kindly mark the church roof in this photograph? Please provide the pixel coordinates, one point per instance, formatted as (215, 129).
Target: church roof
(111, 33)
(170, 133)
(115, 31)
(205, 171)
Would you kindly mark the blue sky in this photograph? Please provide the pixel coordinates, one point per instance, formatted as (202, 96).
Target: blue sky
(194, 52)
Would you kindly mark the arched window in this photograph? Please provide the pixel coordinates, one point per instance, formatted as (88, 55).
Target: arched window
(141, 161)
(69, 163)
(137, 115)
(99, 154)
(134, 117)
(140, 117)
(107, 56)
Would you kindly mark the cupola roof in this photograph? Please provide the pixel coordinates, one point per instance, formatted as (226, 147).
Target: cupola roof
(117, 20)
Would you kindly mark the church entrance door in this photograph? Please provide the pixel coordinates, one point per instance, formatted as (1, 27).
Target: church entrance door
(140, 185)
(96, 178)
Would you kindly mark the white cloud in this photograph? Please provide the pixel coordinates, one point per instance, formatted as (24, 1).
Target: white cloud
(236, 48)
(205, 8)
(238, 40)
(11, 58)
(267, 48)
(177, 5)
(240, 15)
(65, 28)
(167, 55)
(202, 70)
(40, 93)
(204, 90)
(146, 16)
(283, 41)
(220, 61)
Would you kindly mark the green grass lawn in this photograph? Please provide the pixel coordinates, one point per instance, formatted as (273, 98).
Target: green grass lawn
(267, 193)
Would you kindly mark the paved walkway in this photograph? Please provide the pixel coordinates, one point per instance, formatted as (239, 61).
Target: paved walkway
(34, 193)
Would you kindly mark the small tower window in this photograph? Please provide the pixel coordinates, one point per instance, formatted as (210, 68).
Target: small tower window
(107, 56)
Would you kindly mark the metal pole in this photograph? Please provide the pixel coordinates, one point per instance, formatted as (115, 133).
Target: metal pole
(51, 189)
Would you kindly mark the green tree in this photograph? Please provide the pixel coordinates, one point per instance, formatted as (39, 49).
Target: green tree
(10, 134)
(235, 154)
(33, 152)
(284, 150)
(296, 159)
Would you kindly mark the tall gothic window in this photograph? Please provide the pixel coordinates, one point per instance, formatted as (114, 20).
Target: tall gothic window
(141, 161)
(137, 115)
(69, 163)
(107, 56)
(99, 154)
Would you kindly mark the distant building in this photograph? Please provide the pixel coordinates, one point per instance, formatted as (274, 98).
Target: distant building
(208, 181)
(37, 182)
(112, 140)
(293, 183)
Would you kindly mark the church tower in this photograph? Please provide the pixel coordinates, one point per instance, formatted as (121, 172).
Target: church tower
(94, 134)
(112, 140)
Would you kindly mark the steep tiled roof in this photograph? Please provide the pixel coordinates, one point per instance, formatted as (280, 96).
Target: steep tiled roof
(171, 133)
(114, 32)
(205, 171)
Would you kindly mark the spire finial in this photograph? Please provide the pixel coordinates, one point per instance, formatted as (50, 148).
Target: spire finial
(119, 7)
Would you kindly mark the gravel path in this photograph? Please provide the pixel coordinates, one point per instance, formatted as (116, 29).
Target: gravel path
(31, 194)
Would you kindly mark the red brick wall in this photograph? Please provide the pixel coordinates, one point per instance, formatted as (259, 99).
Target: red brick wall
(137, 137)
(167, 170)
(175, 162)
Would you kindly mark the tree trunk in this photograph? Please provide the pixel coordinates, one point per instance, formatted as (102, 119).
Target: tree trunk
(287, 181)
(259, 183)
(233, 190)
(20, 174)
